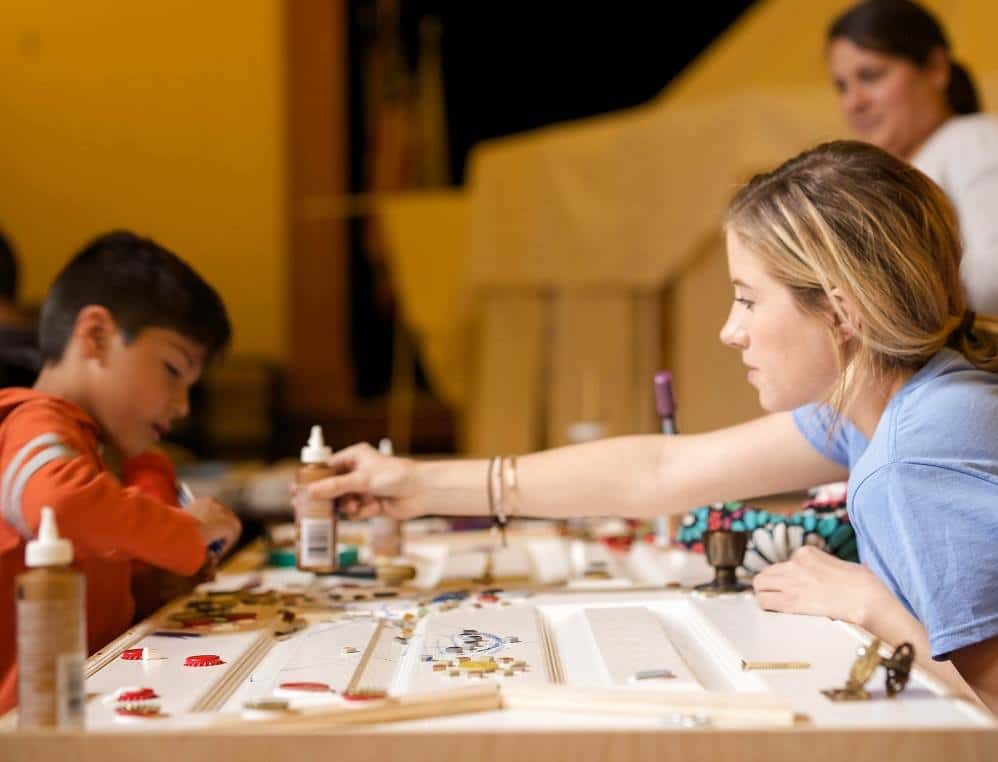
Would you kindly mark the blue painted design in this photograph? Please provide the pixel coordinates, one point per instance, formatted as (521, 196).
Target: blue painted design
(456, 595)
(490, 643)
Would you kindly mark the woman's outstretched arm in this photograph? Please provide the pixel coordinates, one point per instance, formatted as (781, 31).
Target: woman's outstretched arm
(634, 476)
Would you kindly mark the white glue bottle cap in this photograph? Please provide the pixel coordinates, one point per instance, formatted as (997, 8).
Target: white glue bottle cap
(49, 549)
(316, 450)
(385, 446)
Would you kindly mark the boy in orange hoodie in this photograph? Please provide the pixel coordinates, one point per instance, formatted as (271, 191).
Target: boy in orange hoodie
(125, 330)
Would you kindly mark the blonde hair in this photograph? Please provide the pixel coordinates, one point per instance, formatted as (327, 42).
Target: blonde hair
(850, 216)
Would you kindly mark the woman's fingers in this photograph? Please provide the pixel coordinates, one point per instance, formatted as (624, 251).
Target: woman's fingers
(348, 505)
(368, 510)
(354, 506)
(348, 458)
(337, 486)
(773, 600)
(773, 577)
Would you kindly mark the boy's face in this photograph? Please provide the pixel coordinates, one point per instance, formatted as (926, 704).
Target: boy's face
(143, 386)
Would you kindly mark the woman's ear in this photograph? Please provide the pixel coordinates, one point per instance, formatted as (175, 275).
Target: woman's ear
(93, 331)
(844, 316)
(937, 67)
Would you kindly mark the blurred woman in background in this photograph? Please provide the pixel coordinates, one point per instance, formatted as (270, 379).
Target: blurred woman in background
(900, 89)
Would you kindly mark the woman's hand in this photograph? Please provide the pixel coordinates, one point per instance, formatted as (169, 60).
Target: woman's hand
(814, 582)
(368, 483)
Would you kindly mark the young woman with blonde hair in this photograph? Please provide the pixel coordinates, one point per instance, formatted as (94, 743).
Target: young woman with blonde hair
(849, 316)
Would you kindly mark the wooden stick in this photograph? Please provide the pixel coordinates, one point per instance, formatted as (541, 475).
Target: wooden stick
(355, 686)
(415, 706)
(727, 709)
(215, 697)
(748, 666)
(113, 650)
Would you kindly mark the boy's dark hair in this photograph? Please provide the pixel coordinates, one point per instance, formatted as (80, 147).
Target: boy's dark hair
(8, 270)
(142, 285)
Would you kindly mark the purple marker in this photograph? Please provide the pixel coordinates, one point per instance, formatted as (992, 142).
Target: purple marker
(665, 403)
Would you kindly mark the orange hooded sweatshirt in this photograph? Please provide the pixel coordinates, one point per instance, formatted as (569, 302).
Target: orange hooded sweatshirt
(50, 456)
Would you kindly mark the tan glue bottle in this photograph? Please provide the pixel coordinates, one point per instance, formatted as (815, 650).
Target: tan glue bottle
(386, 532)
(51, 633)
(315, 520)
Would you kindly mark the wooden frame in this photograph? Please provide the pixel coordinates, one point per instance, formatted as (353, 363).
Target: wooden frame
(267, 745)
(404, 736)
(319, 375)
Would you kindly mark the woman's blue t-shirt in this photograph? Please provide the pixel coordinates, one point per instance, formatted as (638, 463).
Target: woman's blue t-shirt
(923, 496)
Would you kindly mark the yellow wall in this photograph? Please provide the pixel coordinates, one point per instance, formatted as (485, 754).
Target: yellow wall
(781, 42)
(164, 116)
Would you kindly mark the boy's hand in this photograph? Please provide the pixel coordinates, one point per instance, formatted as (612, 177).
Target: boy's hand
(207, 572)
(217, 522)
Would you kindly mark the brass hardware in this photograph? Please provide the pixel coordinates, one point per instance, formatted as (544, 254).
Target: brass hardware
(725, 550)
(898, 668)
(897, 665)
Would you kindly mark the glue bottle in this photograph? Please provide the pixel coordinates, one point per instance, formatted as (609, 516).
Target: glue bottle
(51, 633)
(386, 532)
(315, 519)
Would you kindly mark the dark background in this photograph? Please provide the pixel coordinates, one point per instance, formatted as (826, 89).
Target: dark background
(515, 66)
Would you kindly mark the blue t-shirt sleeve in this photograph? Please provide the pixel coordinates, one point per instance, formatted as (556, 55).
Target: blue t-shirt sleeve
(942, 558)
(814, 421)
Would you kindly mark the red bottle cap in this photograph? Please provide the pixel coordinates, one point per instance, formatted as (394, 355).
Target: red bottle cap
(306, 687)
(142, 694)
(203, 660)
(187, 623)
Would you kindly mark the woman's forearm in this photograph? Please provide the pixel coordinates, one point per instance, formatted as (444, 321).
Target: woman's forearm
(611, 476)
(451, 487)
(890, 621)
(637, 476)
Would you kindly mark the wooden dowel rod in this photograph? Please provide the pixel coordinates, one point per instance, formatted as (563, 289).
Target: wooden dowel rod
(726, 708)
(463, 700)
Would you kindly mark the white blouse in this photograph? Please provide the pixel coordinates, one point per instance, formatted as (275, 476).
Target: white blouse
(962, 157)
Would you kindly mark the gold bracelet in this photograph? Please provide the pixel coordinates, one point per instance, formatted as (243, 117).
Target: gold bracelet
(489, 489)
(512, 486)
(494, 488)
